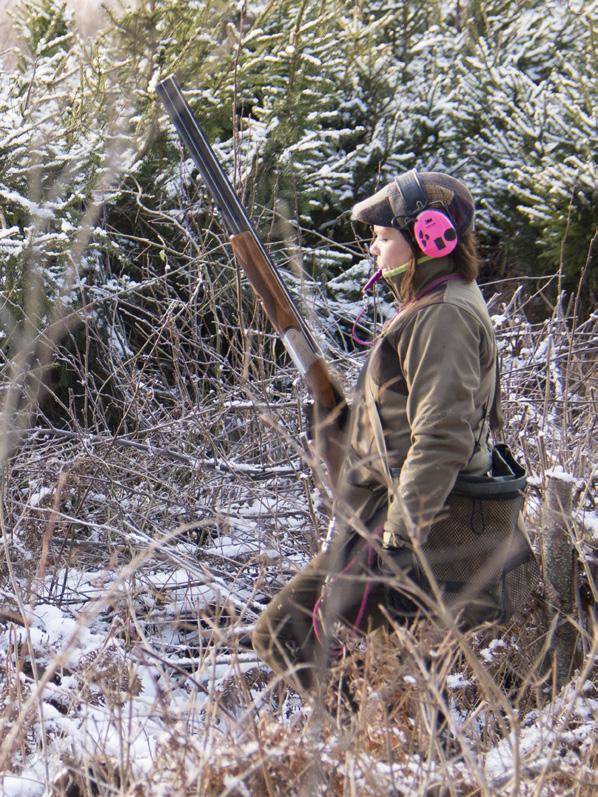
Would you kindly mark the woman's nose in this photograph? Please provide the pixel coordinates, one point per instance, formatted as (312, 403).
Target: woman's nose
(374, 249)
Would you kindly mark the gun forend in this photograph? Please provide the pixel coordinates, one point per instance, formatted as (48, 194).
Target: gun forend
(283, 316)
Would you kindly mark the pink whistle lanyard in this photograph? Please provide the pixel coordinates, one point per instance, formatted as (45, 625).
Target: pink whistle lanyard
(369, 284)
(372, 281)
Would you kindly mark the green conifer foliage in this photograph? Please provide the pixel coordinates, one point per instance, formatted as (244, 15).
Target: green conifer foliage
(34, 153)
(311, 106)
(311, 82)
(63, 146)
(522, 128)
(45, 27)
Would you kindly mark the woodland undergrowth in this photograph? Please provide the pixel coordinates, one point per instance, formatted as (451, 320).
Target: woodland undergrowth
(158, 483)
(136, 560)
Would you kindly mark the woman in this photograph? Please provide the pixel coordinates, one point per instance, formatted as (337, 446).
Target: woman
(420, 419)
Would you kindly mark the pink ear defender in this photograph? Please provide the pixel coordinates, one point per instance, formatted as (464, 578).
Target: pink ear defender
(434, 233)
(433, 230)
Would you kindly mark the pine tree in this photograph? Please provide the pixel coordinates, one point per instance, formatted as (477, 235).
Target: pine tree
(311, 106)
(45, 28)
(522, 124)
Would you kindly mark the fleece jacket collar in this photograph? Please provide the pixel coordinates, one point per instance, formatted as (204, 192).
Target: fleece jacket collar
(425, 274)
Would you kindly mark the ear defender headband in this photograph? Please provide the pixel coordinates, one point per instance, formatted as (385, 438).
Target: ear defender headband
(431, 229)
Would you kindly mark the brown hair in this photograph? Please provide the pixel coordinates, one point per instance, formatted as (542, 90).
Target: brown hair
(466, 262)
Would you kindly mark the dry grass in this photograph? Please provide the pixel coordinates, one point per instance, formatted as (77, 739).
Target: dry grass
(126, 667)
(137, 556)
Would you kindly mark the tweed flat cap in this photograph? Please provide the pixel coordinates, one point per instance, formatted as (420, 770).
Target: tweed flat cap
(387, 207)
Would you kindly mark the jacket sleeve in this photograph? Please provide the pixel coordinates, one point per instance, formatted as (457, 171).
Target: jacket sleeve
(439, 355)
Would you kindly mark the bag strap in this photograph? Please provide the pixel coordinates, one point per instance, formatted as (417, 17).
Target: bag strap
(374, 416)
(495, 416)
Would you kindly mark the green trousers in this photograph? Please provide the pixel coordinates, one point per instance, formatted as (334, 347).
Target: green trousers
(293, 634)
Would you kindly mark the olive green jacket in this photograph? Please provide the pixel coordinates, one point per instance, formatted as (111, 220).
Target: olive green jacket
(428, 384)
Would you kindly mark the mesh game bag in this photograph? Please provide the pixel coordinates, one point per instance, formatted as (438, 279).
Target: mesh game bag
(478, 550)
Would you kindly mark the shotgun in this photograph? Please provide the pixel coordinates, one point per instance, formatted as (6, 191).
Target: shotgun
(265, 280)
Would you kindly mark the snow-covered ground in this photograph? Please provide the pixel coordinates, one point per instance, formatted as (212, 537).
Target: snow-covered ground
(124, 637)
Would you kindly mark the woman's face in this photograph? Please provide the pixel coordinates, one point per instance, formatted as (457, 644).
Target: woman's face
(390, 248)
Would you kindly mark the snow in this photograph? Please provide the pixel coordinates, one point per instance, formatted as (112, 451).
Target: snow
(57, 625)
(457, 681)
(562, 475)
(489, 654)
(24, 785)
(7, 231)
(32, 207)
(38, 496)
(590, 521)
(535, 744)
